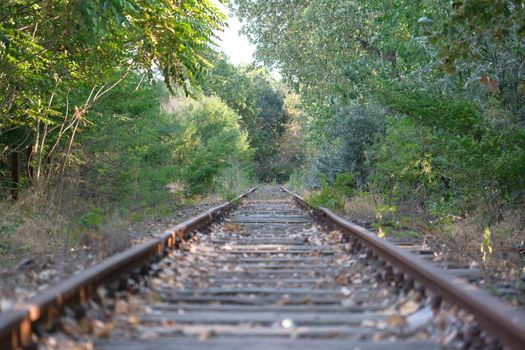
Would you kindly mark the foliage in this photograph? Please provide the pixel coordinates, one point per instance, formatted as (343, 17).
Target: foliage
(486, 247)
(482, 45)
(421, 101)
(295, 182)
(253, 94)
(331, 50)
(232, 181)
(125, 153)
(292, 147)
(448, 157)
(208, 139)
(134, 151)
(343, 143)
(333, 196)
(58, 58)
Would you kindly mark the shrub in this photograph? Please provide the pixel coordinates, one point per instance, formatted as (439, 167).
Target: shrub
(210, 141)
(333, 196)
(447, 157)
(349, 134)
(233, 180)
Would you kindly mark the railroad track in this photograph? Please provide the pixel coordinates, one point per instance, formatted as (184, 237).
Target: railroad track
(269, 276)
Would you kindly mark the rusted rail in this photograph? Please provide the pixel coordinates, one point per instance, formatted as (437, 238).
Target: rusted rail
(16, 323)
(497, 318)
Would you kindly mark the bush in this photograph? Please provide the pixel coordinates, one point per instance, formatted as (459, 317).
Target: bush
(232, 181)
(333, 196)
(135, 149)
(447, 157)
(349, 134)
(126, 152)
(210, 141)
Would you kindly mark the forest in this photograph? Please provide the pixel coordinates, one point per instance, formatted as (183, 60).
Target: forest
(408, 116)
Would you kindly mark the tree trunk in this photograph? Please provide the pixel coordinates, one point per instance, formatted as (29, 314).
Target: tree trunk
(15, 175)
(30, 169)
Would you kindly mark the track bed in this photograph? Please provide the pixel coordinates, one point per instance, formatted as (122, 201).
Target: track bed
(268, 277)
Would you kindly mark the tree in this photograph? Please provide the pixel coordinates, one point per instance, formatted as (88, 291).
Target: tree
(207, 139)
(445, 78)
(254, 95)
(51, 51)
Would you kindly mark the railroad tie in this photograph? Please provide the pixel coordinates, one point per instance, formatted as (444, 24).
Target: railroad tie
(269, 277)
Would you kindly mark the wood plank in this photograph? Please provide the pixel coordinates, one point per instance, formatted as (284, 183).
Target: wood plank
(278, 247)
(297, 300)
(261, 317)
(278, 254)
(307, 266)
(275, 259)
(275, 273)
(252, 290)
(257, 250)
(247, 330)
(252, 241)
(269, 211)
(271, 282)
(260, 343)
(277, 219)
(270, 307)
(268, 254)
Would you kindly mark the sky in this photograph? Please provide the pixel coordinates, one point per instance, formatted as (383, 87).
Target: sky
(236, 46)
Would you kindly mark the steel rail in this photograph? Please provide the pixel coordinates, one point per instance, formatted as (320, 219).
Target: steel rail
(500, 320)
(16, 323)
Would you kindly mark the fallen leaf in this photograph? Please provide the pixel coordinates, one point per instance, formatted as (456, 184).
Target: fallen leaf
(101, 329)
(121, 307)
(134, 320)
(396, 321)
(341, 279)
(232, 227)
(491, 84)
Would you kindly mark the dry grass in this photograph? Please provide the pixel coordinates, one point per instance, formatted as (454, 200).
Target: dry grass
(34, 227)
(362, 208)
(29, 227)
(463, 240)
(460, 240)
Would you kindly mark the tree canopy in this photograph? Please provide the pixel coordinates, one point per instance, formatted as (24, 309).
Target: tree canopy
(58, 57)
(420, 100)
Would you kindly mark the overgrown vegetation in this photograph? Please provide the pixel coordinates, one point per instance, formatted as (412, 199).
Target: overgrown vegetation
(96, 130)
(260, 102)
(422, 102)
(58, 59)
(114, 111)
(408, 112)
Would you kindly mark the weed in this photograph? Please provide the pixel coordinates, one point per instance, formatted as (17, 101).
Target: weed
(333, 196)
(232, 181)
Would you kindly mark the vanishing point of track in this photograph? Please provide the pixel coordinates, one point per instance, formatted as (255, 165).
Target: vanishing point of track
(270, 276)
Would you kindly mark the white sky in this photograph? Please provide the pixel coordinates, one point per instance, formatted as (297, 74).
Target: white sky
(236, 46)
